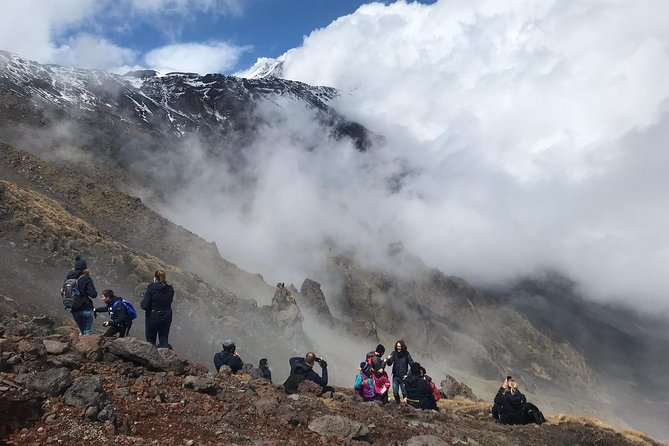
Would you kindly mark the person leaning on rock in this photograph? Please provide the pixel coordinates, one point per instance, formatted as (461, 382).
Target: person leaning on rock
(303, 369)
(228, 357)
(119, 321)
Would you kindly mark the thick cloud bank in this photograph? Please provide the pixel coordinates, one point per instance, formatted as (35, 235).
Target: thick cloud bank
(521, 136)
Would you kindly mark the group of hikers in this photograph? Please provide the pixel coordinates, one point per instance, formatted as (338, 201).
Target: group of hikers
(371, 383)
(78, 291)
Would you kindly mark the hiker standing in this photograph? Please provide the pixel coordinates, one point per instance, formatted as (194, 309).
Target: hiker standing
(82, 307)
(509, 403)
(157, 303)
(375, 358)
(228, 357)
(120, 320)
(400, 359)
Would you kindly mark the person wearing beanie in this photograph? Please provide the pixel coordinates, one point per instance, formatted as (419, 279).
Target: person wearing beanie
(82, 308)
(400, 359)
(264, 369)
(419, 392)
(375, 358)
(229, 357)
(364, 382)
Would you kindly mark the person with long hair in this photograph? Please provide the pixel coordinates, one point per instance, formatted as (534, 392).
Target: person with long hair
(509, 403)
(82, 308)
(401, 360)
(157, 303)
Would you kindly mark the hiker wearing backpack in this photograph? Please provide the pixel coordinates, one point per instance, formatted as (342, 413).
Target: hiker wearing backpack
(228, 357)
(401, 360)
(364, 382)
(303, 368)
(419, 393)
(77, 292)
(121, 314)
(375, 358)
(157, 303)
(509, 403)
(435, 391)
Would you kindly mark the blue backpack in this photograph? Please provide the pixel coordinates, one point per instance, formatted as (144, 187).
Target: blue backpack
(129, 309)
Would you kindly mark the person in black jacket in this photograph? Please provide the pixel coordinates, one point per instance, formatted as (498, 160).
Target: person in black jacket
(264, 369)
(119, 322)
(375, 358)
(157, 303)
(82, 309)
(509, 403)
(303, 368)
(401, 360)
(419, 392)
(228, 357)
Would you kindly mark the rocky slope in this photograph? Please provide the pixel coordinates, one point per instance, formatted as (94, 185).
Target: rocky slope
(60, 388)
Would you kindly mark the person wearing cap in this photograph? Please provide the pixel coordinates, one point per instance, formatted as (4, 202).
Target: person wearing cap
(419, 392)
(364, 382)
(228, 357)
(264, 369)
(82, 309)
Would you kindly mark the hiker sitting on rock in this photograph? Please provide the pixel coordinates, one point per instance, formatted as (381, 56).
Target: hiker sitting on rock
(419, 392)
(120, 320)
(228, 357)
(264, 369)
(303, 368)
(364, 382)
(509, 403)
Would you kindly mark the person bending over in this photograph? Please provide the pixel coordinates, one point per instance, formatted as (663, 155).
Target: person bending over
(228, 357)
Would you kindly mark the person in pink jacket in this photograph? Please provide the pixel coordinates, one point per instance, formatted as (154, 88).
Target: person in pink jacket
(381, 385)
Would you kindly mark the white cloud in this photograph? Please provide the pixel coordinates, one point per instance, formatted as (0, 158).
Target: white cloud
(522, 124)
(182, 7)
(86, 51)
(212, 57)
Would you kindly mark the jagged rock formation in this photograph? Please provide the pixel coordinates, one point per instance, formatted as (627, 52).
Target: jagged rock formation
(314, 300)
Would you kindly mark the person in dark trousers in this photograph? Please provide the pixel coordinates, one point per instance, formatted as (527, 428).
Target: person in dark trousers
(375, 358)
(229, 357)
(303, 368)
(509, 403)
(419, 393)
(264, 369)
(119, 321)
(157, 303)
(82, 309)
(401, 360)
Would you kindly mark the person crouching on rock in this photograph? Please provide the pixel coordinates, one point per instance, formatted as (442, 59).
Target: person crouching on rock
(228, 357)
(364, 382)
(119, 321)
(509, 403)
(157, 303)
(381, 385)
(303, 369)
(419, 392)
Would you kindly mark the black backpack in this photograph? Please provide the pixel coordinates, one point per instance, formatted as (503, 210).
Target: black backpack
(293, 381)
(70, 293)
(532, 414)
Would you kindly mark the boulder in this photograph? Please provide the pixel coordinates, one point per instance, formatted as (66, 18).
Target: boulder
(337, 426)
(308, 386)
(54, 347)
(52, 382)
(146, 354)
(90, 347)
(85, 392)
(450, 388)
(425, 440)
(202, 384)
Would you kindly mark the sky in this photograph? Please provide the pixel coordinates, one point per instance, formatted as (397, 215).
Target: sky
(202, 36)
(525, 135)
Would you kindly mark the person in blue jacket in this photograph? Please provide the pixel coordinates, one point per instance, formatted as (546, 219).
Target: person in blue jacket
(119, 321)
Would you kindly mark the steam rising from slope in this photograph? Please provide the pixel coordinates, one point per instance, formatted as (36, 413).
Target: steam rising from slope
(520, 136)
